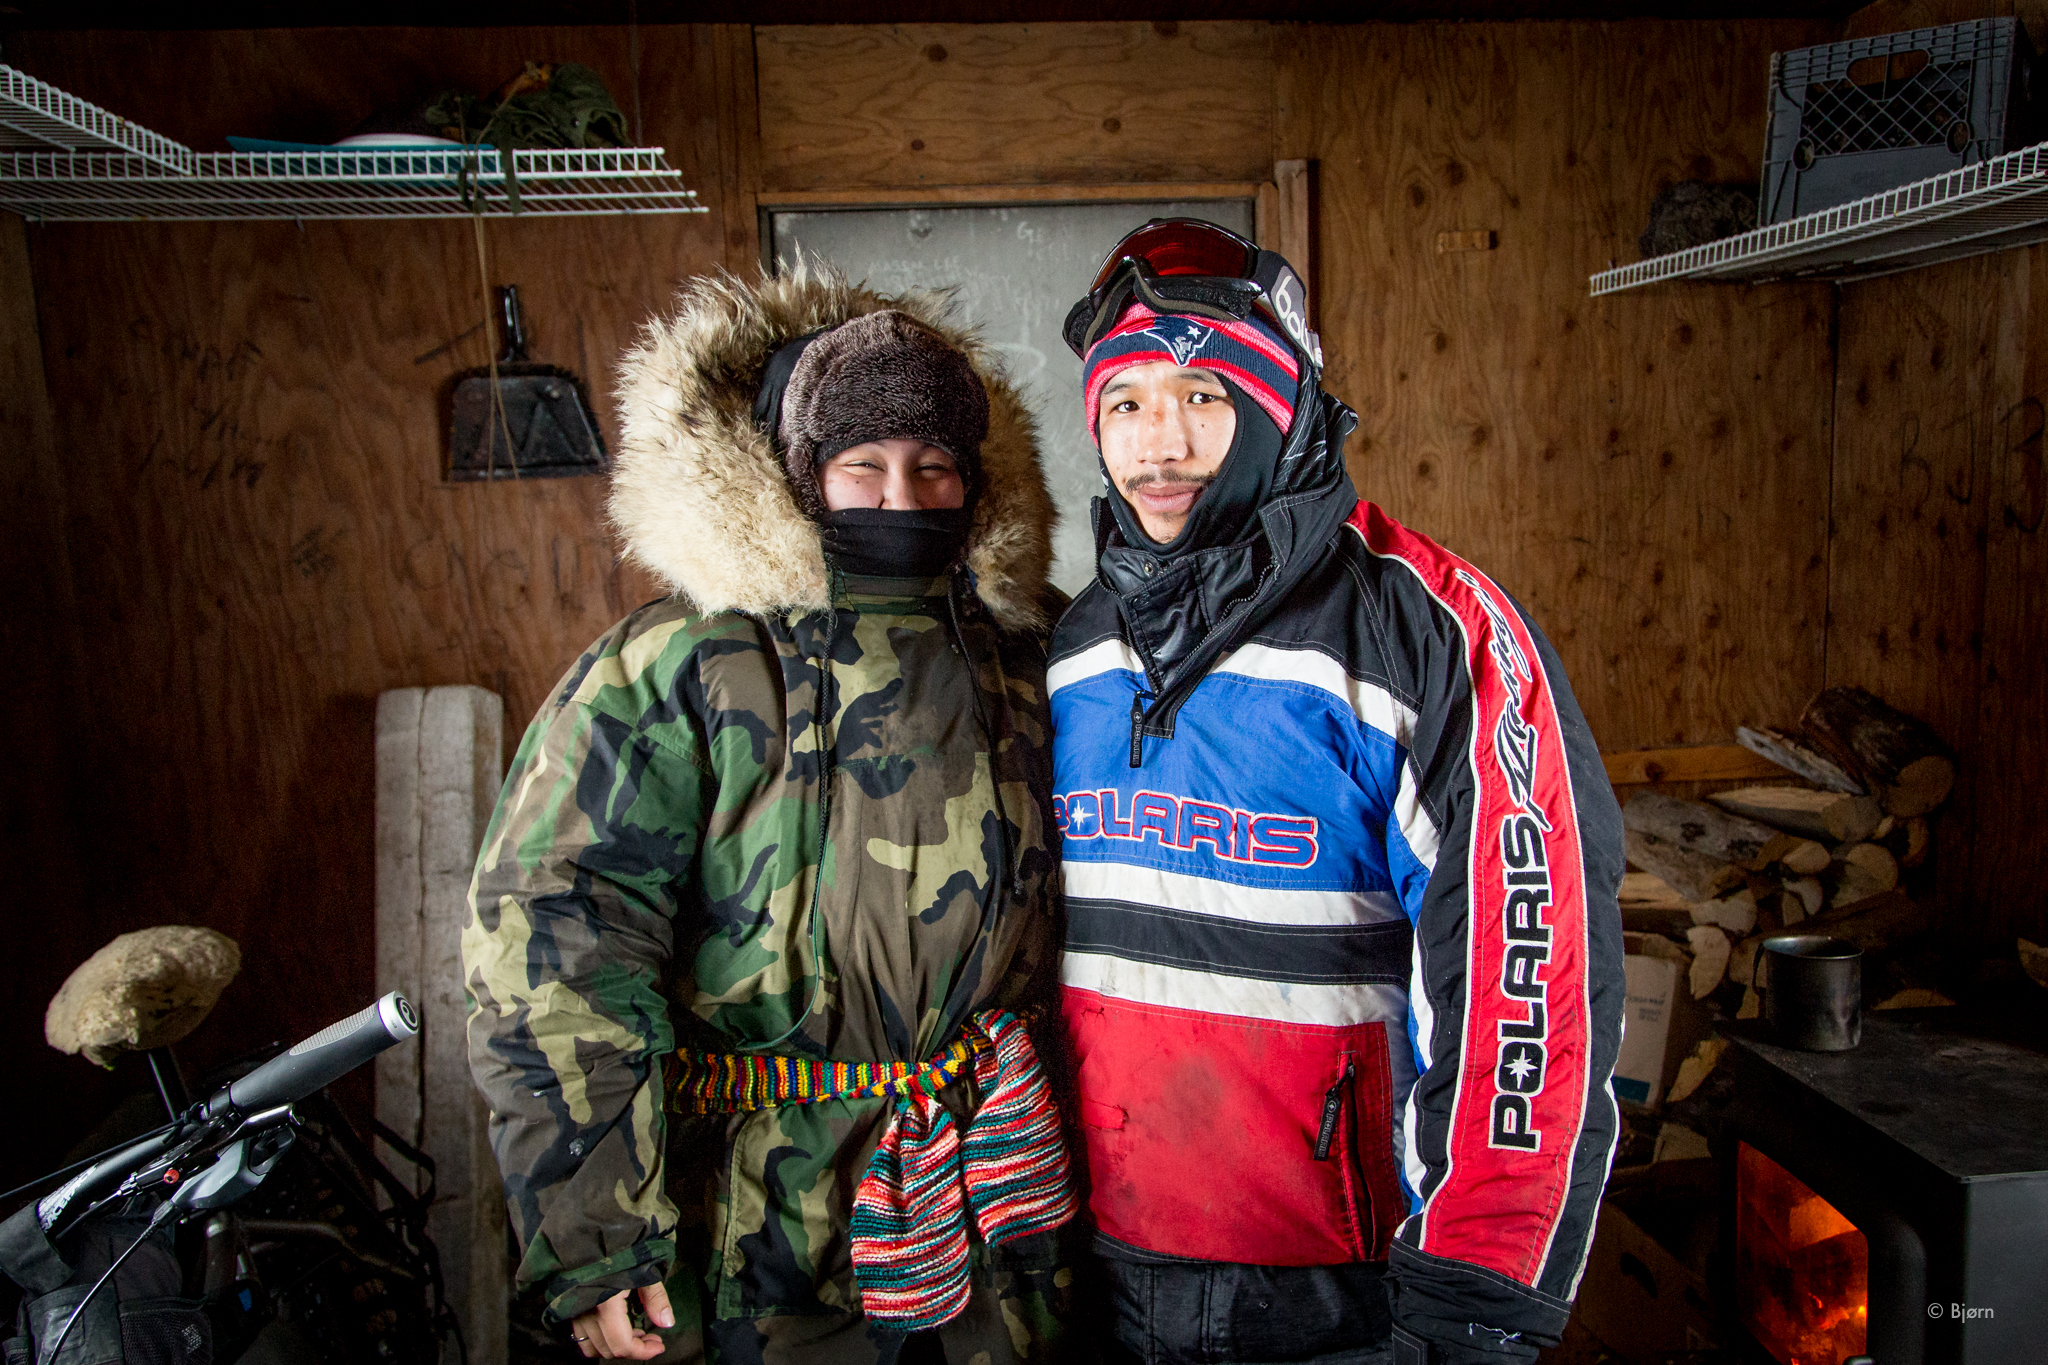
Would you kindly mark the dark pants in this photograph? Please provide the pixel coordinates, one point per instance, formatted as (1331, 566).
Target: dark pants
(1202, 1313)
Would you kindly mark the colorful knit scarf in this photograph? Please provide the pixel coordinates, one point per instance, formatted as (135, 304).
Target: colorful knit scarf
(909, 1219)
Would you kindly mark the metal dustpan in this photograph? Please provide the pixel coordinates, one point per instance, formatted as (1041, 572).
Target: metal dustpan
(534, 423)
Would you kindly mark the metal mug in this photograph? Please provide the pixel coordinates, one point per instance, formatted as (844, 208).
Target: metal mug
(1813, 991)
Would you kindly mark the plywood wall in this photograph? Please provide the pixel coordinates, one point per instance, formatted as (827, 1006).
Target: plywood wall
(244, 537)
(910, 105)
(1647, 473)
(227, 534)
(1941, 597)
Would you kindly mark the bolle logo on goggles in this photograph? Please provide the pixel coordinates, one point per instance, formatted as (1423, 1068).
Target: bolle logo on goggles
(1290, 306)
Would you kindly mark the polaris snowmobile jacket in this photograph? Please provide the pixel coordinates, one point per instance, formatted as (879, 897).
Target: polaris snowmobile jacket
(1343, 973)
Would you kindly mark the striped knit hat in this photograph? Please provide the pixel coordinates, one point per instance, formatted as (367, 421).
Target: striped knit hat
(1249, 354)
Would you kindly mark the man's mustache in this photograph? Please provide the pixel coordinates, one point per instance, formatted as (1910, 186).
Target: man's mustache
(1138, 481)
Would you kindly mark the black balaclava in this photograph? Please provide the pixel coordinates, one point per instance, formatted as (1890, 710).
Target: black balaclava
(1227, 512)
(877, 542)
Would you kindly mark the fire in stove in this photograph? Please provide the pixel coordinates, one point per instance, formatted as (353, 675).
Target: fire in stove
(1802, 1270)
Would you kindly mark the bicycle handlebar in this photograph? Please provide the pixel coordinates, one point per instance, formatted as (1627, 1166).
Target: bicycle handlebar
(234, 1109)
(325, 1057)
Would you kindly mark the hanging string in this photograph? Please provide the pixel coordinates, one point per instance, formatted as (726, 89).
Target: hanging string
(633, 61)
(483, 279)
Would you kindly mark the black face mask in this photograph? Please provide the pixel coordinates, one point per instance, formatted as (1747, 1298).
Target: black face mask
(874, 542)
(1228, 509)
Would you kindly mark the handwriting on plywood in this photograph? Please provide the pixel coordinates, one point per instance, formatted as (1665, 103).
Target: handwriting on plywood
(1014, 273)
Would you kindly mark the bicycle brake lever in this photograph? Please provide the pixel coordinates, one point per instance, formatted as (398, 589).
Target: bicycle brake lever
(203, 1149)
(241, 1166)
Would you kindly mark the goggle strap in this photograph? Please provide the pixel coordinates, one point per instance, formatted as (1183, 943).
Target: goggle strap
(1217, 297)
(1279, 294)
(1287, 298)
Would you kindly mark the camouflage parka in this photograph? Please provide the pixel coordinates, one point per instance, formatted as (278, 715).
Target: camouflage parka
(762, 815)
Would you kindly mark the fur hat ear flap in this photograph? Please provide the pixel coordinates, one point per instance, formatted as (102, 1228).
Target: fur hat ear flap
(882, 376)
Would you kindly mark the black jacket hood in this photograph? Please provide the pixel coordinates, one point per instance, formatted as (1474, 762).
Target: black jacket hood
(1182, 612)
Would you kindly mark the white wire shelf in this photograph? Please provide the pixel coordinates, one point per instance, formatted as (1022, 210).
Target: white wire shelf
(34, 114)
(57, 187)
(63, 160)
(1993, 205)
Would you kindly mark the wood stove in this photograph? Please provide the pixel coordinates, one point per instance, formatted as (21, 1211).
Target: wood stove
(1910, 1173)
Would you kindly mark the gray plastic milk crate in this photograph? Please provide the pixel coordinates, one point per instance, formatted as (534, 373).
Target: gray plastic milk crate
(1857, 118)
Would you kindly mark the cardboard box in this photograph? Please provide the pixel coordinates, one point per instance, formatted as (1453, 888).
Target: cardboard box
(1661, 1022)
(1638, 1298)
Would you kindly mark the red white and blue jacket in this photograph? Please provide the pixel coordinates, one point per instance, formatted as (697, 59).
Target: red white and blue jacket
(1343, 972)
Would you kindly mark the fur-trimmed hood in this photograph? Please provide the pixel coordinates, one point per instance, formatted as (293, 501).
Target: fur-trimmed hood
(698, 490)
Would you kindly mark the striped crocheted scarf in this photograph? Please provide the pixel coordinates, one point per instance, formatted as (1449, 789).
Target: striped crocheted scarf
(1008, 1168)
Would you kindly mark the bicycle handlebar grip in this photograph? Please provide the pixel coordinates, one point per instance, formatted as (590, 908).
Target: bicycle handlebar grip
(325, 1057)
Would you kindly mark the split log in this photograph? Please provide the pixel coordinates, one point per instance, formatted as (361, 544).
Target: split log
(1910, 840)
(1648, 906)
(1693, 875)
(1676, 1142)
(1710, 953)
(1742, 960)
(1861, 871)
(1699, 828)
(2034, 960)
(1834, 816)
(1914, 998)
(1656, 919)
(1900, 758)
(1804, 897)
(1694, 1070)
(1807, 857)
(1645, 889)
(1736, 913)
(1654, 945)
(1795, 755)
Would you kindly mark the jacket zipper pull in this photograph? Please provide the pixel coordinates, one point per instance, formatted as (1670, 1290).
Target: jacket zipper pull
(1138, 731)
(1333, 1107)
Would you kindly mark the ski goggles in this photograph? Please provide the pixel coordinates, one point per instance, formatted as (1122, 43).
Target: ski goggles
(1186, 265)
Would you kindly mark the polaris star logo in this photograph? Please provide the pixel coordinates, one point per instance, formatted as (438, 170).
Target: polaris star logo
(1181, 337)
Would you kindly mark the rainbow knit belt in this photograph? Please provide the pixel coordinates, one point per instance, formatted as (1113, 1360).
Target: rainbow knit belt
(739, 1083)
(909, 1224)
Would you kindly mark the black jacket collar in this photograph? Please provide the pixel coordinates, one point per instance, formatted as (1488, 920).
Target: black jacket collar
(1184, 613)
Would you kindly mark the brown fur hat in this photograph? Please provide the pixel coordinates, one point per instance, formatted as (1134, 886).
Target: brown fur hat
(880, 377)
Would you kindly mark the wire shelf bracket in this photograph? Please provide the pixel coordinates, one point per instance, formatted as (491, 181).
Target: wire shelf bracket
(36, 115)
(1987, 207)
(63, 160)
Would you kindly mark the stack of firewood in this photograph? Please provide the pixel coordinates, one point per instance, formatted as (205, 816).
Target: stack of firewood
(1720, 875)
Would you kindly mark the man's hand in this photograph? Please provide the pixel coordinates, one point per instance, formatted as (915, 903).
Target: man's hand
(607, 1331)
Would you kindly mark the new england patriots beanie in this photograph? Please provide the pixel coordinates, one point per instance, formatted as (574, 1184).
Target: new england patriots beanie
(1250, 354)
